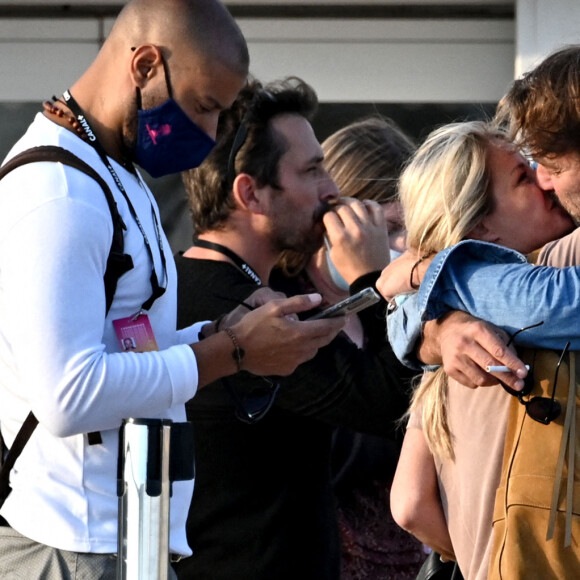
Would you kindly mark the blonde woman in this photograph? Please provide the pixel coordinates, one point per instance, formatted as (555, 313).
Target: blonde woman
(465, 182)
(365, 159)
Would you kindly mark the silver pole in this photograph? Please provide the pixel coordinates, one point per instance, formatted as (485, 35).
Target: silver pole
(144, 489)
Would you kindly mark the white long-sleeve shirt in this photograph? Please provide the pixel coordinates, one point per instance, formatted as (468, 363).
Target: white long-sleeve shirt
(60, 356)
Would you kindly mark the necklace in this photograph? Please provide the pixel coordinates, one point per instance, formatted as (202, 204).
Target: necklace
(77, 127)
(51, 109)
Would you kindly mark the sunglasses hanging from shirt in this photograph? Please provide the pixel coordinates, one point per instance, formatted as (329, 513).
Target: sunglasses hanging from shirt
(255, 404)
(541, 409)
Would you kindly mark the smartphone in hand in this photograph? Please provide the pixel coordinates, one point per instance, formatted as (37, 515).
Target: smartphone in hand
(349, 305)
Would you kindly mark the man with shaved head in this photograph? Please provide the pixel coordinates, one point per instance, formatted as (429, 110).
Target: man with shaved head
(151, 98)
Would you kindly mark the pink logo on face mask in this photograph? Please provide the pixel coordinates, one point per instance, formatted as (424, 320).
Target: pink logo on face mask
(163, 131)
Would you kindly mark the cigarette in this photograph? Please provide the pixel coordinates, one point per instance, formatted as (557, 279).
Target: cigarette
(501, 369)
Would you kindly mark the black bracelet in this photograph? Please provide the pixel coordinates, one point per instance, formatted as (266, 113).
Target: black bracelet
(415, 265)
(238, 353)
(215, 325)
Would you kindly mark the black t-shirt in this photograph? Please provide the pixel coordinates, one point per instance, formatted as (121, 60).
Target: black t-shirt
(263, 507)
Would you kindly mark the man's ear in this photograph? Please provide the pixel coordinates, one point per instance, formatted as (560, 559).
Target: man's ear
(247, 194)
(145, 64)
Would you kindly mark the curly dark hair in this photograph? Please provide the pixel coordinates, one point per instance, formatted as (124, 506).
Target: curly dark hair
(542, 109)
(246, 125)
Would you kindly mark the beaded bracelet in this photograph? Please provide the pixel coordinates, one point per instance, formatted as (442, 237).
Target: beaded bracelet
(238, 352)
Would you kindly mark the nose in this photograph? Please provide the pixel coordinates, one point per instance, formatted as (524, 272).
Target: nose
(543, 178)
(328, 188)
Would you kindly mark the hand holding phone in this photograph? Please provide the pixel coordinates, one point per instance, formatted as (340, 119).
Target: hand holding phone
(349, 305)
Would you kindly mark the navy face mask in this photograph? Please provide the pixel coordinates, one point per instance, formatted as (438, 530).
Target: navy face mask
(168, 141)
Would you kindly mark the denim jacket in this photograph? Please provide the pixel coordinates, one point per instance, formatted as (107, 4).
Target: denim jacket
(495, 284)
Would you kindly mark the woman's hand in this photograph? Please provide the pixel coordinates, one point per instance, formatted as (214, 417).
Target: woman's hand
(358, 236)
(396, 277)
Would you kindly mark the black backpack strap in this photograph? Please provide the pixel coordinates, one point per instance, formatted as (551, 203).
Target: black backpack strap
(20, 441)
(117, 264)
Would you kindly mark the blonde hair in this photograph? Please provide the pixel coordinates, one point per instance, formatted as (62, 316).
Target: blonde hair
(445, 193)
(366, 158)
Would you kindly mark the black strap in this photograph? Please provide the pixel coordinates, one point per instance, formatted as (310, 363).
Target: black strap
(156, 289)
(20, 441)
(117, 264)
(241, 264)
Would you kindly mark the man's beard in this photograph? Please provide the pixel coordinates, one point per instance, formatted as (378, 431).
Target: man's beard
(570, 203)
(129, 132)
(319, 212)
(308, 241)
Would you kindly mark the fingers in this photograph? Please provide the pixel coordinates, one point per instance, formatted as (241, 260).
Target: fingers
(465, 370)
(495, 352)
(472, 375)
(376, 213)
(498, 354)
(358, 238)
(299, 303)
(354, 213)
(361, 210)
(262, 296)
(274, 344)
(469, 346)
(304, 302)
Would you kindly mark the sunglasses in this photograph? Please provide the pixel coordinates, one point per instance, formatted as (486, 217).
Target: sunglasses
(541, 409)
(254, 405)
(258, 99)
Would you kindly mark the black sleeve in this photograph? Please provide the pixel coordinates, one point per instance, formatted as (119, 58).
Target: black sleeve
(373, 318)
(365, 389)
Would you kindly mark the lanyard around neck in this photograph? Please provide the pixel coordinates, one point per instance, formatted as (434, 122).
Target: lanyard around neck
(241, 264)
(156, 289)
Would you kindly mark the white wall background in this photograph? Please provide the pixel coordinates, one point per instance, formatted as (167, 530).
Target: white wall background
(387, 60)
(347, 60)
(541, 27)
(40, 57)
(379, 60)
